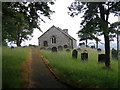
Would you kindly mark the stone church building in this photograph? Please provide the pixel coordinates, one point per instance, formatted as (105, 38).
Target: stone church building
(56, 37)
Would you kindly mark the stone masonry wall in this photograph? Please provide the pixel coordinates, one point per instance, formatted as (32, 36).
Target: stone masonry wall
(61, 39)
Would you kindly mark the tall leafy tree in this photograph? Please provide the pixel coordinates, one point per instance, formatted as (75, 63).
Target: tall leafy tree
(99, 13)
(89, 32)
(114, 27)
(20, 18)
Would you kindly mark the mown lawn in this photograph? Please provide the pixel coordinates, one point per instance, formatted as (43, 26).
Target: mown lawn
(12, 60)
(80, 73)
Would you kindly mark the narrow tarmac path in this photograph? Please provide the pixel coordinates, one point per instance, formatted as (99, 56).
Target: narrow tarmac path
(40, 75)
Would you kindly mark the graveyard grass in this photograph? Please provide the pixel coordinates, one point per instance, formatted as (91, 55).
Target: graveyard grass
(12, 60)
(90, 74)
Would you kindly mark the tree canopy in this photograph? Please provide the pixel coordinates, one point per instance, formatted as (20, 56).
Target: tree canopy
(95, 19)
(20, 18)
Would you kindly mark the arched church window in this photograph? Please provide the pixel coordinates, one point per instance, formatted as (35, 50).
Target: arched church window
(53, 39)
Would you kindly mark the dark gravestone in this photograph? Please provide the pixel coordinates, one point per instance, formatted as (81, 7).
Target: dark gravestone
(42, 48)
(101, 57)
(84, 56)
(60, 48)
(80, 44)
(74, 54)
(54, 49)
(87, 46)
(118, 55)
(114, 53)
(24, 46)
(99, 50)
(65, 46)
(85, 51)
(12, 47)
(92, 47)
(79, 49)
(67, 50)
(49, 49)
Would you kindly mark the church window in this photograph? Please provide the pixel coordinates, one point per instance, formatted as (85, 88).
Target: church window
(53, 39)
(45, 43)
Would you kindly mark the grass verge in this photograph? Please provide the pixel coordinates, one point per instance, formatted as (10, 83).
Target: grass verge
(84, 74)
(12, 61)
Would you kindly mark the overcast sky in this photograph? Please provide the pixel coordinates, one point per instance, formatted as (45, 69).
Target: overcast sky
(61, 19)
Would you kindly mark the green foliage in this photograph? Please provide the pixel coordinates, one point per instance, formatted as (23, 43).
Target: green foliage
(92, 21)
(20, 18)
(95, 20)
(114, 28)
(83, 74)
(12, 59)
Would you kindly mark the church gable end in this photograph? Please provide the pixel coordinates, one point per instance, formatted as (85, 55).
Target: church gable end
(54, 37)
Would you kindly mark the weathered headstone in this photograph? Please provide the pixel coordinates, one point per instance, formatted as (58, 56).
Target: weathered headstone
(114, 53)
(92, 47)
(49, 49)
(119, 54)
(85, 51)
(24, 46)
(65, 46)
(79, 49)
(87, 46)
(99, 50)
(54, 49)
(60, 48)
(84, 56)
(42, 48)
(101, 57)
(67, 50)
(74, 54)
(12, 47)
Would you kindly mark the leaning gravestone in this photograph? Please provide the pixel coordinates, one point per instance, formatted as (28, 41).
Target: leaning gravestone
(101, 57)
(114, 53)
(54, 49)
(60, 48)
(84, 55)
(74, 54)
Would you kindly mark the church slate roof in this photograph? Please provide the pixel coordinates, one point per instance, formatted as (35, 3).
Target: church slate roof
(60, 31)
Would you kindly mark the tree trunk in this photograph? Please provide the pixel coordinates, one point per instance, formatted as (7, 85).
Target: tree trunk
(96, 44)
(18, 43)
(19, 38)
(117, 46)
(106, 33)
(86, 43)
(107, 50)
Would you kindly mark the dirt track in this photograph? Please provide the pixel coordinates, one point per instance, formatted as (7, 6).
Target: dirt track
(40, 75)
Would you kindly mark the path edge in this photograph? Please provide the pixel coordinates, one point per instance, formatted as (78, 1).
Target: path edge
(52, 71)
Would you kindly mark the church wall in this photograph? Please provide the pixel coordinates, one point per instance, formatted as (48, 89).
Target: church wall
(61, 39)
